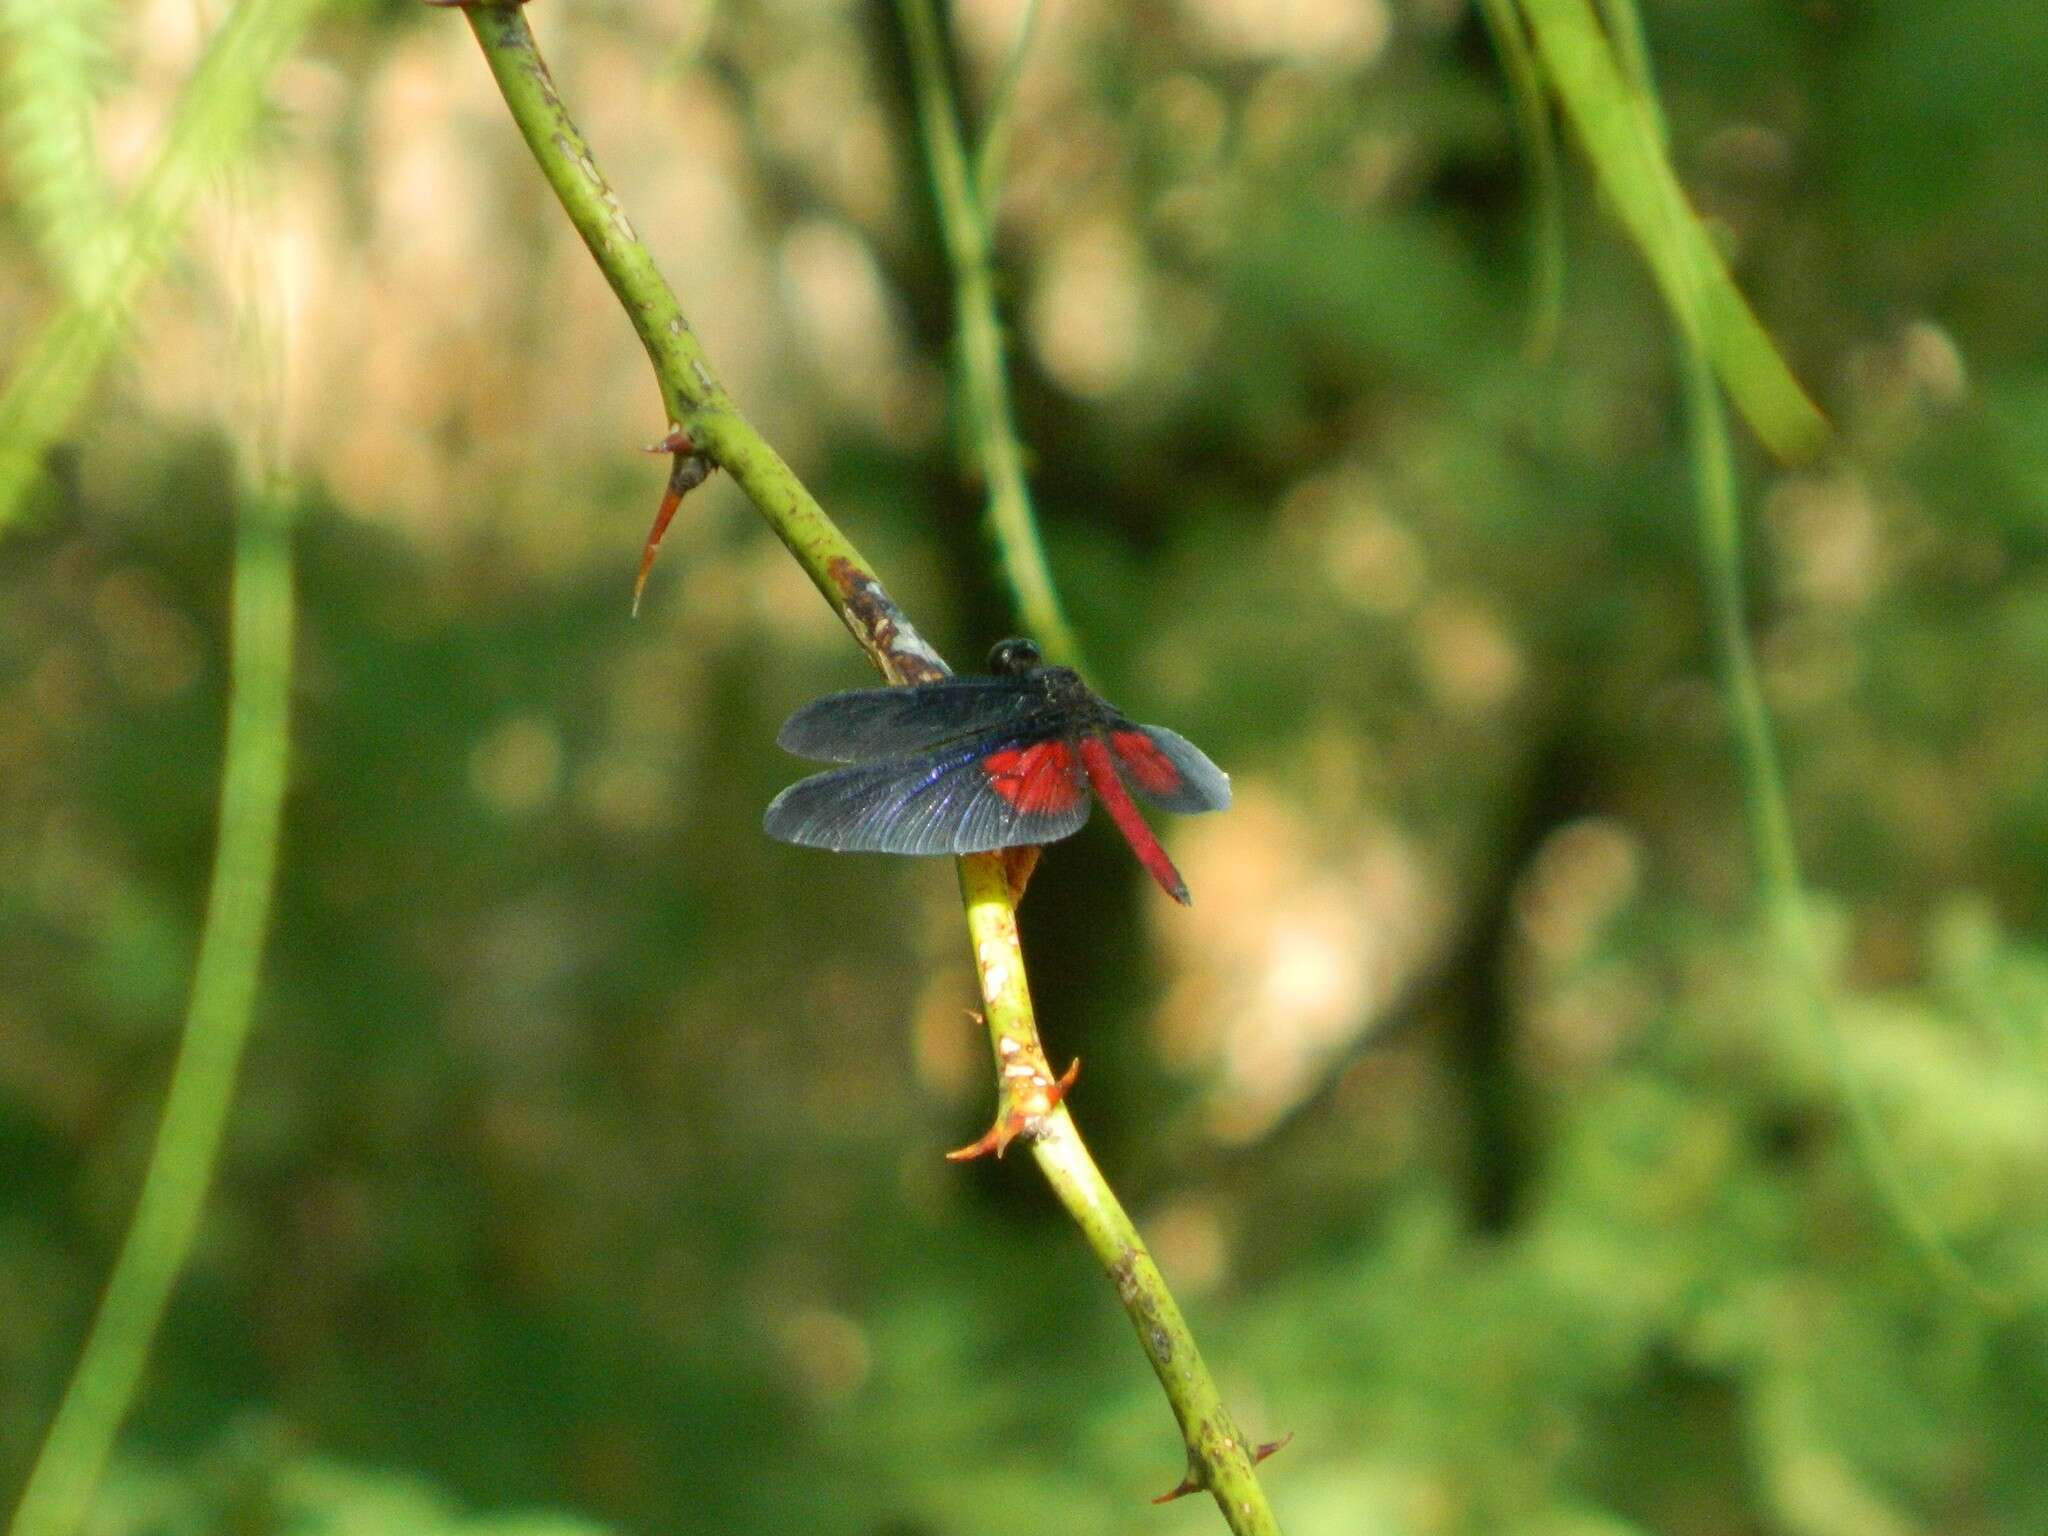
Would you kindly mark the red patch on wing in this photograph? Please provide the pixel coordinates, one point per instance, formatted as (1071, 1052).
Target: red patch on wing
(1038, 779)
(1149, 768)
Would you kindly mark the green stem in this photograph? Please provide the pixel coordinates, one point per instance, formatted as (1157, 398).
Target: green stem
(995, 128)
(1631, 46)
(1770, 820)
(1219, 1458)
(74, 1454)
(983, 375)
(1773, 845)
(697, 402)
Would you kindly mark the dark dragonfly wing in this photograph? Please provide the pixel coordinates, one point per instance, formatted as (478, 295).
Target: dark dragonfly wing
(989, 791)
(1167, 770)
(866, 723)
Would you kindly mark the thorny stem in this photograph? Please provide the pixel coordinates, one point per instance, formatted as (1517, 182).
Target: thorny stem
(983, 380)
(690, 392)
(697, 403)
(1219, 1458)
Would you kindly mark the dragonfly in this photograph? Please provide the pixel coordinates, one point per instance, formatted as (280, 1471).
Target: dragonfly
(973, 764)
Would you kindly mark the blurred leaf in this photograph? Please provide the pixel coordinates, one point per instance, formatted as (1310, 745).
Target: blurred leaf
(1628, 155)
(1531, 103)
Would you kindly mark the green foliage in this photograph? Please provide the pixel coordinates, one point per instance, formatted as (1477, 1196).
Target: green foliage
(57, 55)
(252, 1481)
(215, 117)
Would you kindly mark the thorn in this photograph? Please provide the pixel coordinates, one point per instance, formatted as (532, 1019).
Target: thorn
(1271, 1446)
(1195, 1482)
(667, 510)
(1059, 1089)
(1022, 1120)
(690, 470)
(998, 1137)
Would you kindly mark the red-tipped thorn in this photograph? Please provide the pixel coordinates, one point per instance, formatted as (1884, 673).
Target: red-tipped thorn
(690, 470)
(670, 500)
(1041, 1098)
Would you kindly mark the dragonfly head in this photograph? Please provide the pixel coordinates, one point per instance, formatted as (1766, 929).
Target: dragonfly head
(1014, 658)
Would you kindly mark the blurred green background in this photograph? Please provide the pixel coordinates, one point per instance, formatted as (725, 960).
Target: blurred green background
(585, 1171)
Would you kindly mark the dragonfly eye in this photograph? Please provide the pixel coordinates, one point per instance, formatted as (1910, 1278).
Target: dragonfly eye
(1013, 658)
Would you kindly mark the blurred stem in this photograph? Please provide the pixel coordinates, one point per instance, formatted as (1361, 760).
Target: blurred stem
(1770, 820)
(1773, 845)
(1644, 191)
(698, 403)
(1531, 105)
(216, 114)
(74, 1455)
(1774, 848)
(982, 378)
(1632, 53)
(995, 128)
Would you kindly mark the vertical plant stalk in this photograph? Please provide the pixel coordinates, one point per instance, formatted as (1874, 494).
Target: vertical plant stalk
(1773, 845)
(1668, 226)
(216, 116)
(982, 385)
(81, 1438)
(698, 405)
(1779, 879)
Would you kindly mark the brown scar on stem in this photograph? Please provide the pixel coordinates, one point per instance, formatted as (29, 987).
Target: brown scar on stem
(1138, 1300)
(690, 470)
(1195, 1481)
(880, 625)
(1031, 1096)
(1018, 863)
